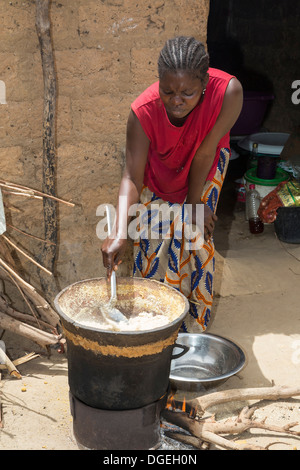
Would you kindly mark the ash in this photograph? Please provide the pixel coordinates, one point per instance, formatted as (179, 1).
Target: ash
(167, 443)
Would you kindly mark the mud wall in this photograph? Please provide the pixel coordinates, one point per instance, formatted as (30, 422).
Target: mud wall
(105, 55)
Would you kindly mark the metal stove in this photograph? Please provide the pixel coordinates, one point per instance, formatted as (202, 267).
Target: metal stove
(98, 429)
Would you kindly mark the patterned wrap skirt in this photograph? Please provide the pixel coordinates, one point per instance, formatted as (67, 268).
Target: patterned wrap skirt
(164, 252)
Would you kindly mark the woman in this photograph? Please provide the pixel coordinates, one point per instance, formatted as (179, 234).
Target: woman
(177, 154)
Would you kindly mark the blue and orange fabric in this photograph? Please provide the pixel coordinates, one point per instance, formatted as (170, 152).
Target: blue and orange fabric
(162, 252)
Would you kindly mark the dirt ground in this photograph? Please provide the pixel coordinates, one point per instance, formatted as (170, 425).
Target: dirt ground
(256, 305)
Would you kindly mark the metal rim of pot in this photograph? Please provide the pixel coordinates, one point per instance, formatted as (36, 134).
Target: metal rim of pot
(76, 324)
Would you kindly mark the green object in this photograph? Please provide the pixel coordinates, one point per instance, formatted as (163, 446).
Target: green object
(280, 176)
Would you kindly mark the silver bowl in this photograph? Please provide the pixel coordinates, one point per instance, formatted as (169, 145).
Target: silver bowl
(202, 361)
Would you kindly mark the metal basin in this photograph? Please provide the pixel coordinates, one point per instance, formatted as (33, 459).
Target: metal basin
(203, 361)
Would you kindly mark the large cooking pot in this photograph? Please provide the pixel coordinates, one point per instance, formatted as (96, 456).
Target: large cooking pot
(120, 369)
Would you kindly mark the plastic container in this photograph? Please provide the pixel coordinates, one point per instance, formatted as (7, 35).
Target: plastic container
(252, 202)
(252, 205)
(266, 167)
(268, 146)
(240, 190)
(269, 143)
(253, 112)
(264, 186)
(252, 159)
(287, 224)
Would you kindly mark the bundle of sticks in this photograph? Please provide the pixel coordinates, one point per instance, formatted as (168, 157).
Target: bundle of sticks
(40, 322)
(203, 431)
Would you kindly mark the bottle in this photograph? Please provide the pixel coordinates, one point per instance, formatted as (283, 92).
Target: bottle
(252, 205)
(253, 158)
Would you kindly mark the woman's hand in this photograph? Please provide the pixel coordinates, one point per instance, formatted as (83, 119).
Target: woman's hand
(209, 220)
(113, 250)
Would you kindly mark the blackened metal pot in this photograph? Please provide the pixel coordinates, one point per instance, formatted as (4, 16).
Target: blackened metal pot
(119, 370)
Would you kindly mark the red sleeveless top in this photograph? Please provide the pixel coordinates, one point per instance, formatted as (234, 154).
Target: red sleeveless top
(172, 148)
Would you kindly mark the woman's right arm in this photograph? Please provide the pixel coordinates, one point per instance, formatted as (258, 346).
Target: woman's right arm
(137, 145)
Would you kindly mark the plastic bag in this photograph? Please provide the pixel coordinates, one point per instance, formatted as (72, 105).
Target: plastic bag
(286, 194)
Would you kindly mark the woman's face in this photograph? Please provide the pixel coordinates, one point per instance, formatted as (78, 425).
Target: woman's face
(180, 92)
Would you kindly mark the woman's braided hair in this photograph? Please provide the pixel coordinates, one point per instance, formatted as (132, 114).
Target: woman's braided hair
(183, 53)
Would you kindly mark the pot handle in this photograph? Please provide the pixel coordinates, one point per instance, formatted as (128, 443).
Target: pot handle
(184, 348)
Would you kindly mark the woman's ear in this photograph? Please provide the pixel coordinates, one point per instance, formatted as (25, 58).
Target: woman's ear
(205, 80)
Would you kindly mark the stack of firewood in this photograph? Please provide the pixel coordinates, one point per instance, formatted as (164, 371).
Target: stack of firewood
(204, 431)
(39, 323)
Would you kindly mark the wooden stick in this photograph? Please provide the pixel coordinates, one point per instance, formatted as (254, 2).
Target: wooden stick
(14, 193)
(9, 364)
(210, 430)
(26, 358)
(23, 296)
(43, 27)
(185, 439)
(1, 422)
(12, 208)
(35, 191)
(19, 188)
(28, 234)
(24, 317)
(5, 253)
(16, 275)
(21, 360)
(26, 255)
(205, 430)
(264, 393)
(34, 334)
(227, 444)
(40, 303)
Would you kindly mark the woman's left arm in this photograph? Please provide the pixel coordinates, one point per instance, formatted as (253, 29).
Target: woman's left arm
(204, 157)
